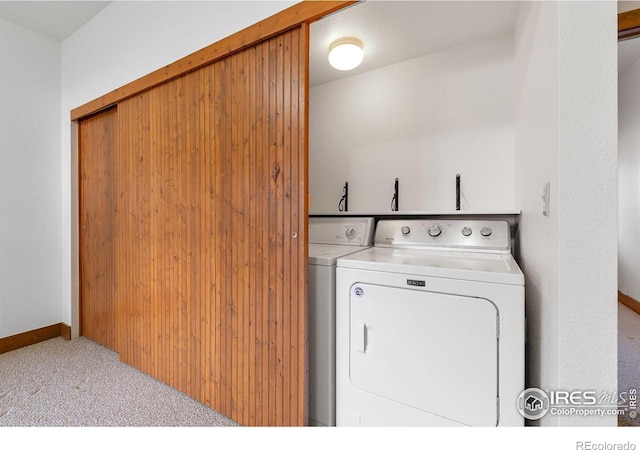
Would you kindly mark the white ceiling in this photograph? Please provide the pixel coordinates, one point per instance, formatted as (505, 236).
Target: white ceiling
(391, 31)
(394, 31)
(55, 19)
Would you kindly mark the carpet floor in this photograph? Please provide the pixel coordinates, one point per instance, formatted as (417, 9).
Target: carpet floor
(628, 357)
(80, 383)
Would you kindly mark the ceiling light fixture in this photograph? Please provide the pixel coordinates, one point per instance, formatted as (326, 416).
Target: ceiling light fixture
(345, 53)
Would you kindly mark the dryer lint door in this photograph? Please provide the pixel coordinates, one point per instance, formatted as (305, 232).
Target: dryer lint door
(434, 352)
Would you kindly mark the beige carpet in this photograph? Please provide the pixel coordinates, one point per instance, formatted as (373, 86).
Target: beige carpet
(80, 383)
(628, 357)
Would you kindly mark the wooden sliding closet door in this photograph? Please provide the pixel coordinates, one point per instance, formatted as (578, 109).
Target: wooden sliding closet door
(211, 223)
(97, 140)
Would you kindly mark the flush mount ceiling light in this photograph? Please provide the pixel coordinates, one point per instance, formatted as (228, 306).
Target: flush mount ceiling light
(345, 53)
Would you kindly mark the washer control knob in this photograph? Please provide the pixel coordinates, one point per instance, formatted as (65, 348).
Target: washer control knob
(434, 230)
(486, 231)
(351, 232)
(405, 230)
(466, 231)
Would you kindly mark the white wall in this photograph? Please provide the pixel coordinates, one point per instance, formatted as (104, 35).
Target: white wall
(30, 230)
(587, 203)
(566, 134)
(422, 121)
(536, 163)
(125, 41)
(629, 177)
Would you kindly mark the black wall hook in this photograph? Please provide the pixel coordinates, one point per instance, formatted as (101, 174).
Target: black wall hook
(394, 200)
(343, 204)
(457, 192)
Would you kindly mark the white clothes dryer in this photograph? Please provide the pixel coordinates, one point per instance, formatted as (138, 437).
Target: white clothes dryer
(329, 239)
(431, 327)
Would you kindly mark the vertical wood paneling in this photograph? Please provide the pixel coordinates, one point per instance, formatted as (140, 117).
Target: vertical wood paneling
(97, 207)
(210, 232)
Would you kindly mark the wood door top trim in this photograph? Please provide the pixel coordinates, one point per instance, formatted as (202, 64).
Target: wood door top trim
(303, 12)
(628, 24)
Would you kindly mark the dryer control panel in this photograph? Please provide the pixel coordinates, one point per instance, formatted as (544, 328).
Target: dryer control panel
(357, 231)
(467, 235)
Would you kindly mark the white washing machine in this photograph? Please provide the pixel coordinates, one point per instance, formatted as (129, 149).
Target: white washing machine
(329, 239)
(431, 327)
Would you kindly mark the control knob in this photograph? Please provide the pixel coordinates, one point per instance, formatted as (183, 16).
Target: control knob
(434, 230)
(405, 230)
(466, 231)
(486, 231)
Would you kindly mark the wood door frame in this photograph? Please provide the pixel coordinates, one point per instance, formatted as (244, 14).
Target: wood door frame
(628, 24)
(75, 230)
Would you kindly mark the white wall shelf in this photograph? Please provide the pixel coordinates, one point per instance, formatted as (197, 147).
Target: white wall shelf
(419, 213)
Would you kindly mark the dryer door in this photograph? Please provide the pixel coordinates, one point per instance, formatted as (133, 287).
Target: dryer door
(431, 351)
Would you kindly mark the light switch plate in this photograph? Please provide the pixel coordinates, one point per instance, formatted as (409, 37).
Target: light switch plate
(546, 191)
